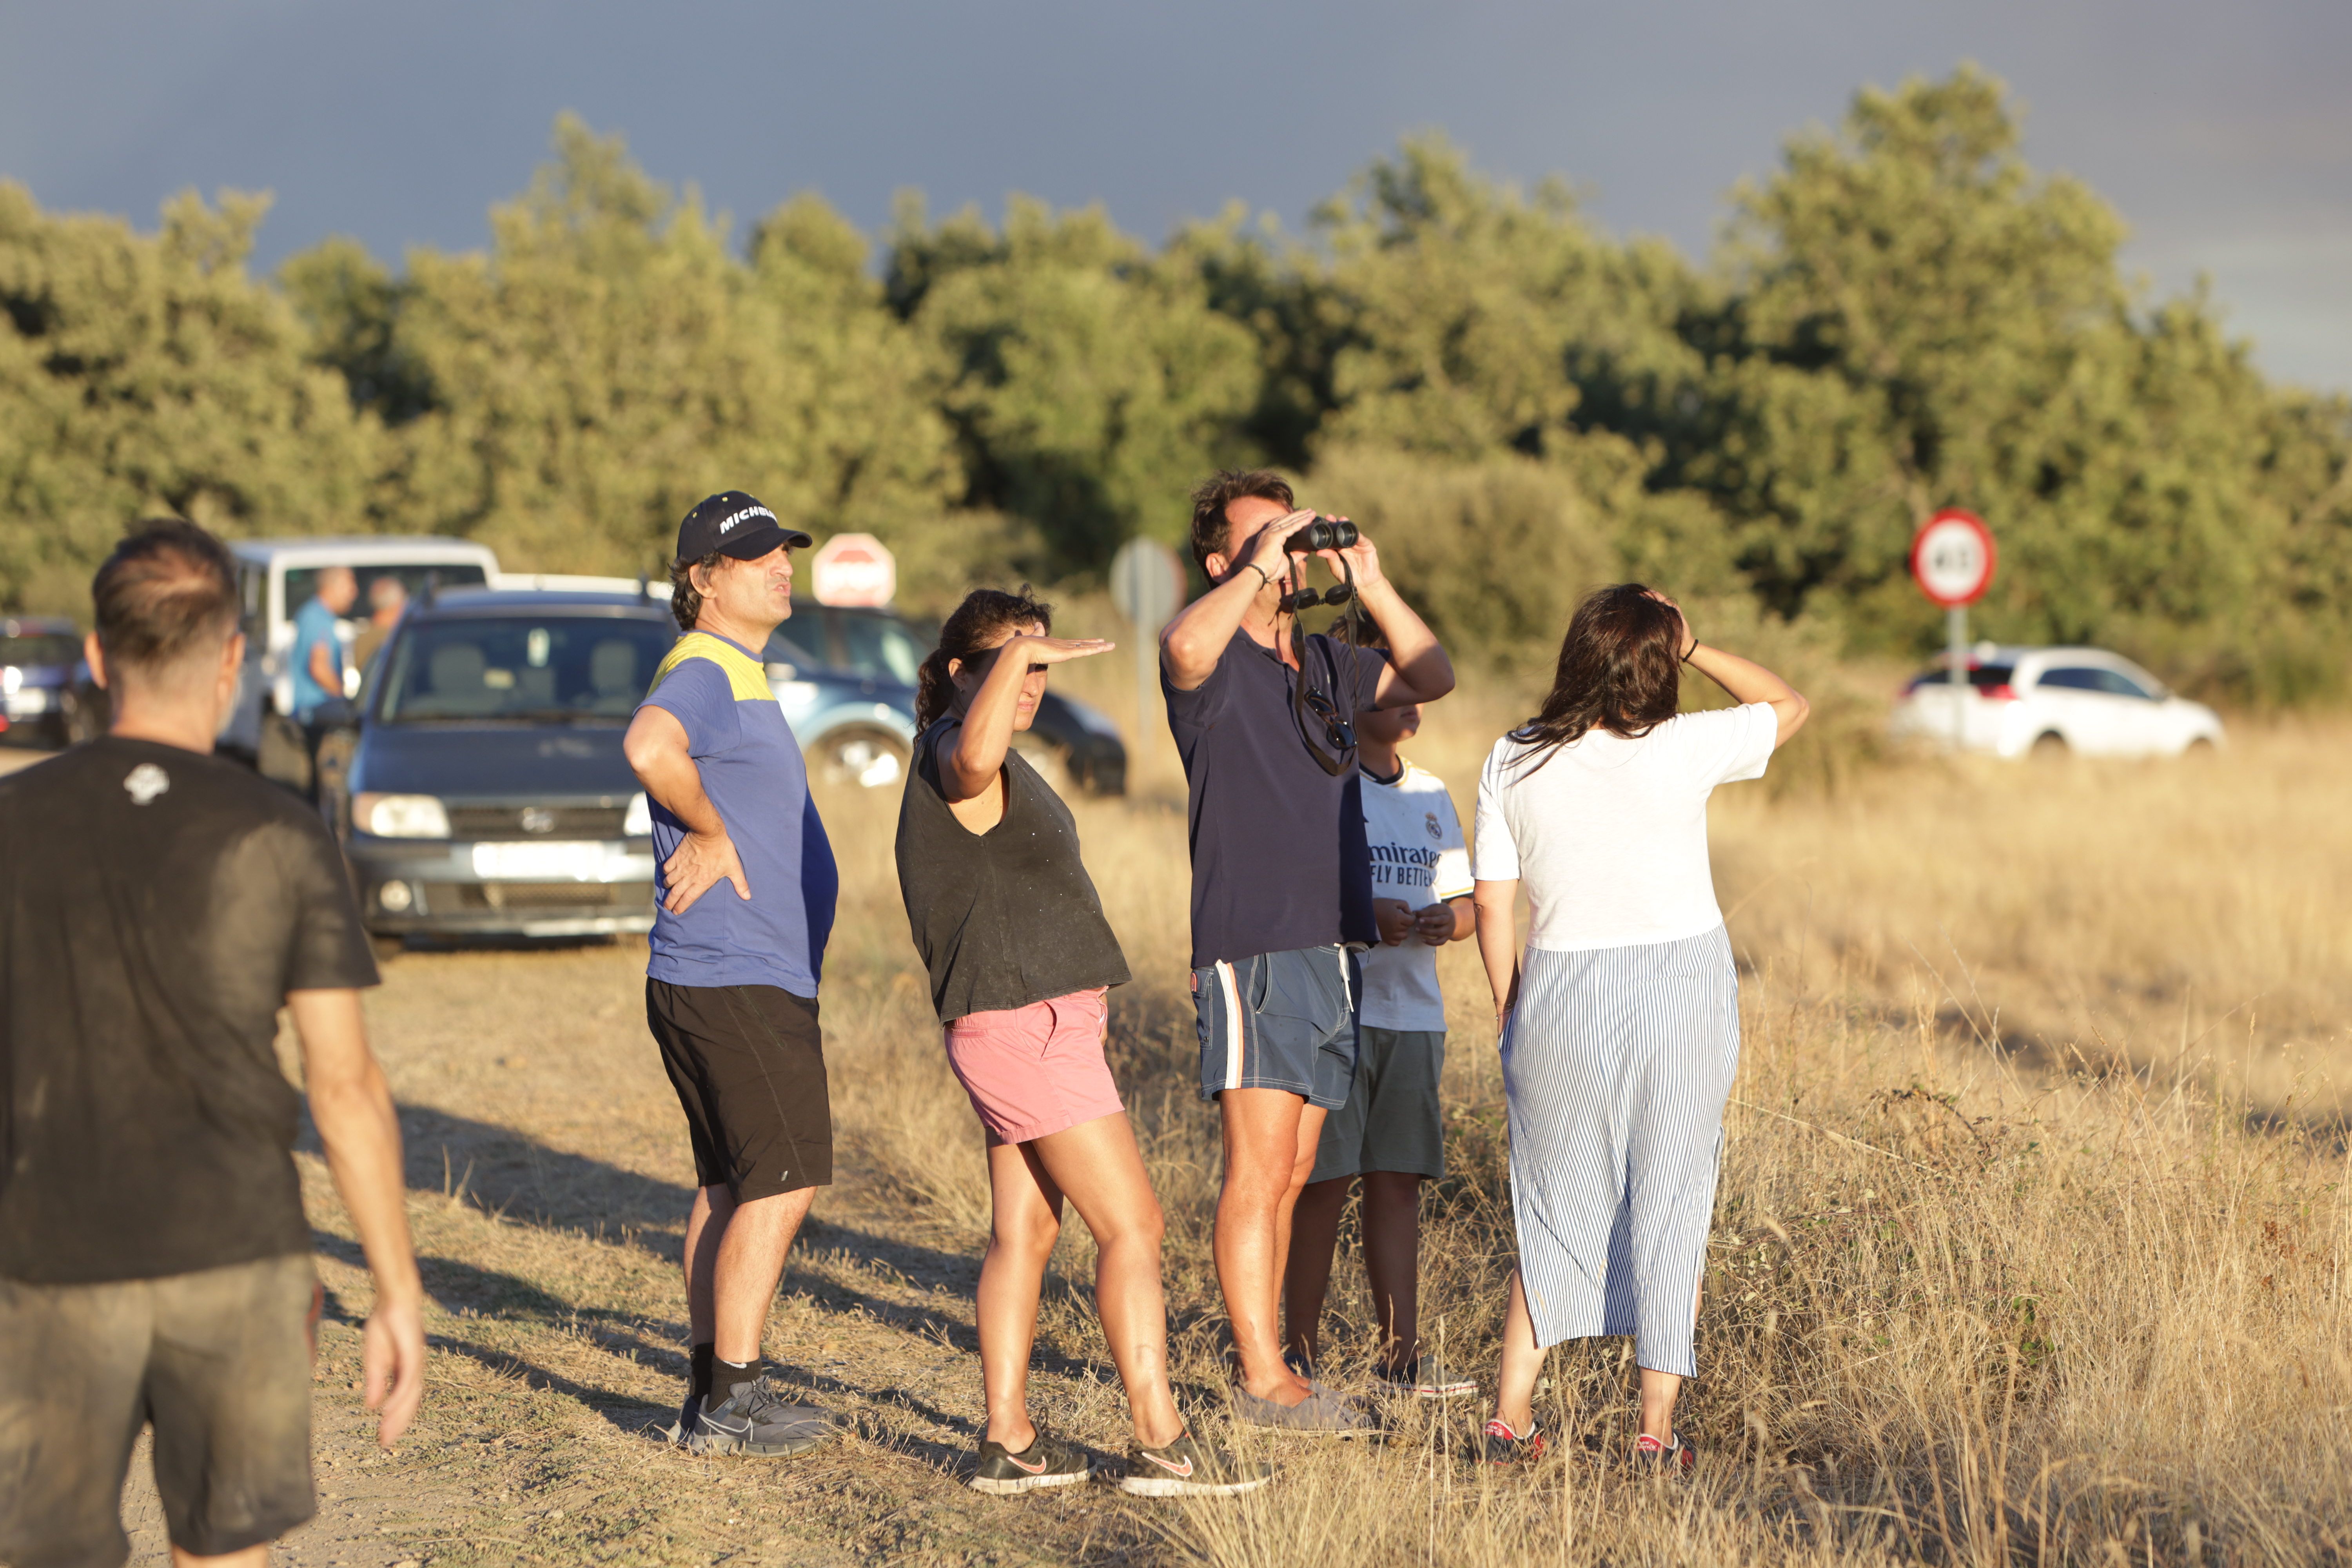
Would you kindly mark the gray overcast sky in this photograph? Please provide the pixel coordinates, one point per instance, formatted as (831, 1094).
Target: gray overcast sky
(2223, 132)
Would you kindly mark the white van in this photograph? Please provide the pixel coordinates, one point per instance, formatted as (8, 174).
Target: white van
(276, 577)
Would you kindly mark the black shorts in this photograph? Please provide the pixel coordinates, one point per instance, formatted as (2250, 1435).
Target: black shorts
(219, 1361)
(748, 1064)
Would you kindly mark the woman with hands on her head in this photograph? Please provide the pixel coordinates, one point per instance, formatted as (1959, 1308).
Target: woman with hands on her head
(1020, 957)
(1621, 1030)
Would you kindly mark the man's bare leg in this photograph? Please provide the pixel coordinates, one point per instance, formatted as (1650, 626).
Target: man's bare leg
(746, 1262)
(706, 1222)
(1270, 1139)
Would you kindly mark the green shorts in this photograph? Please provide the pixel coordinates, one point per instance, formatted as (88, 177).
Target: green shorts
(1390, 1121)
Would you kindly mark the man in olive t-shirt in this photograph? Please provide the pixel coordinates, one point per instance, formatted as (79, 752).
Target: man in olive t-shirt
(158, 906)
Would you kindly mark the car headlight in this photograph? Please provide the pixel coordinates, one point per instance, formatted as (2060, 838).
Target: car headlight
(639, 822)
(399, 815)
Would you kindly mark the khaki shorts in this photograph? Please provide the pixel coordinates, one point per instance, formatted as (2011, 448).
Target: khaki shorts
(219, 1361)
(1390, 1121)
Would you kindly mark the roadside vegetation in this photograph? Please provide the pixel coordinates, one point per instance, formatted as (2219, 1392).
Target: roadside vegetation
(1904, 316)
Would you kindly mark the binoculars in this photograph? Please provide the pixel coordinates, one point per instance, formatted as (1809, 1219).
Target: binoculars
(1323, 534)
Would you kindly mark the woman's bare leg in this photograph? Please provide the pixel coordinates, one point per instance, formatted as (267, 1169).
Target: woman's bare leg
(1515, 1390)
(1658, 1392)
(1097, 1164)
(1025, 1210)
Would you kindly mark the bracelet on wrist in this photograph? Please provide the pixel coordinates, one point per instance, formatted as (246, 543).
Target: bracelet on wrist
(1265, 577)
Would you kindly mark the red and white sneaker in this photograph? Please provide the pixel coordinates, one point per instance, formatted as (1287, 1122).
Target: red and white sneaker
(1675, 1458)
(1505, 1447)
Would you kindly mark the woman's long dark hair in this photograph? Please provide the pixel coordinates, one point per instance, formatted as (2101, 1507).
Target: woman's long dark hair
(1620, 669)
(972, 630)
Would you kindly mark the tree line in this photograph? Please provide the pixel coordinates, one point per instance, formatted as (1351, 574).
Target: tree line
(1903, 316)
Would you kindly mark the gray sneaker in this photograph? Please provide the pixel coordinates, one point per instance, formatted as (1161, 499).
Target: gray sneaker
(756, 1419)
(688, 1414)
(1324, 1410)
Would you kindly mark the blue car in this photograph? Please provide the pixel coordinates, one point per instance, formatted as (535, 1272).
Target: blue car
(42, 679)
(485, 792)
(846, 680)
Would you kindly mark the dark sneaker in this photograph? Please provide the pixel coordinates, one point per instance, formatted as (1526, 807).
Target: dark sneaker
(1422, 1378)
(1505, 1447)
(1324, 1411)
(756, 1419)
(1184, 1468)
(688, 1414)
(1047, 1461)
(1676, 1459)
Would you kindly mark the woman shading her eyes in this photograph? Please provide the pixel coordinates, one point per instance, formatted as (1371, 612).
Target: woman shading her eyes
(1008, 923)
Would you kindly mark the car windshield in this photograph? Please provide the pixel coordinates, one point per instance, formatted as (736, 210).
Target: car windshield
(879, 647)
(1981, 676)
(538, 668)
(302, 582)
(39, 648)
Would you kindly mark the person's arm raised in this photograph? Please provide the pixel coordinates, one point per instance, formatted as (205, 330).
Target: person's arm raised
(1744, 679)
(350, 1104)
(1197, 638)
(986, 734)
(658, 753)
(1418, 669)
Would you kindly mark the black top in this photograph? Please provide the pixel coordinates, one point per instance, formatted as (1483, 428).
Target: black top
(1278, 856)
(155, 908)
(1003, 918)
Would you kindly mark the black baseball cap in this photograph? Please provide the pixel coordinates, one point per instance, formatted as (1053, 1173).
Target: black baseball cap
(734, 523)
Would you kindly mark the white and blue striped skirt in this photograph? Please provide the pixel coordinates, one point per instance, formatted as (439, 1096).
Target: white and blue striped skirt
(1616, 1066)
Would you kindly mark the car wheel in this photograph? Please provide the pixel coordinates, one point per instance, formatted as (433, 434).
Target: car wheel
(861, 757)
(2048, 746)
(2203, 747)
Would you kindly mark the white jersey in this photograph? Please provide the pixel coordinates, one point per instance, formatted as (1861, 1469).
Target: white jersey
(1418, 856)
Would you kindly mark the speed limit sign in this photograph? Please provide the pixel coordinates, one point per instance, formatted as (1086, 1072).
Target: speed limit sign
(1952, 558)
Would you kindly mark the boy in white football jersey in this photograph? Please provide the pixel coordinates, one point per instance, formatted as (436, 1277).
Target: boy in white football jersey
(1390, 1134)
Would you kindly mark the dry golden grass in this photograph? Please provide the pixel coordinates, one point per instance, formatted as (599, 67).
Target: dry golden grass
(2031, 1246)
(2031, 1243)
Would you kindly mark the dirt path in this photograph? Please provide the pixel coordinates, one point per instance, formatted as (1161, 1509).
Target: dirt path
(548, 1175)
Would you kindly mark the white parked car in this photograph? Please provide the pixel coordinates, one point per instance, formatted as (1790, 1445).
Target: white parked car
(276, 577)
(2050, 700)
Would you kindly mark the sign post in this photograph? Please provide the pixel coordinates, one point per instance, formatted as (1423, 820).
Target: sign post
(1146, 582)
(1952, 558)
(853, 569)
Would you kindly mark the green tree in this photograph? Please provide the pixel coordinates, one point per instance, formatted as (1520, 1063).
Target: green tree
(1089, 387)
(1917, 321)
(608, 362)
(148, 373)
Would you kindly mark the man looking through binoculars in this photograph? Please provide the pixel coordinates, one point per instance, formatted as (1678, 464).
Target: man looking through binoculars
(1282, 895)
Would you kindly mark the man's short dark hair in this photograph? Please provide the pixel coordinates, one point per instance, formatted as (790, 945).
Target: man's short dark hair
(169, 591)
(684, 598)
(1212, 529)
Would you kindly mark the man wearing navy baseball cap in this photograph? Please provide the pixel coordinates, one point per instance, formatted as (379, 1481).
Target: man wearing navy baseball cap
(744, 902)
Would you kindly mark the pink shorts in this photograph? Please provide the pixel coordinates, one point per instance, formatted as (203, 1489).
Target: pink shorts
(1036, 1071)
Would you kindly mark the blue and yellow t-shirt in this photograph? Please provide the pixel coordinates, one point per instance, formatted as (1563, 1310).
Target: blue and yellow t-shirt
(752, 770)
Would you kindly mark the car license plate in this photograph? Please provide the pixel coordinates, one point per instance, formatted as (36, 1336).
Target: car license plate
(557, 862)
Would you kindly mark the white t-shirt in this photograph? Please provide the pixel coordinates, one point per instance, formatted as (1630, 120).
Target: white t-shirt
(1417, 855)
(1610, 835)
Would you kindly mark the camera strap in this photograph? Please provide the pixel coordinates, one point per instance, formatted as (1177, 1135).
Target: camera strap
(1307, 722)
